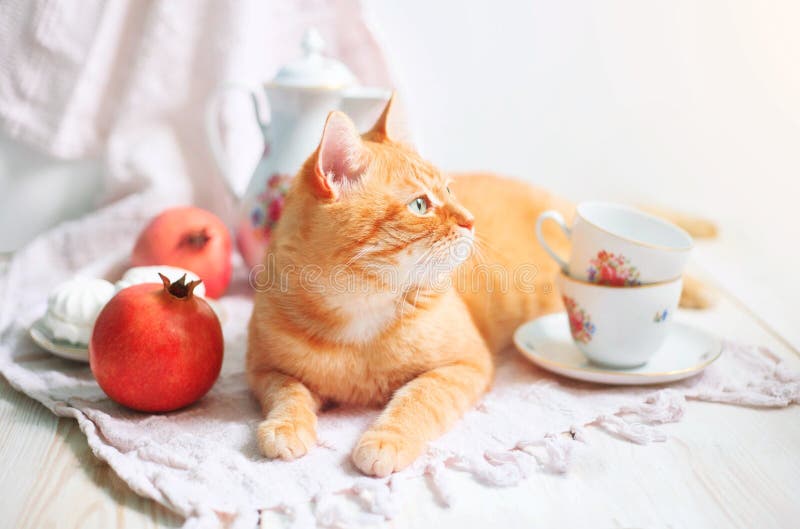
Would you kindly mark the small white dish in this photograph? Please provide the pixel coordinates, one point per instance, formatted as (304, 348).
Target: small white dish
(547, 342)
(44, 338)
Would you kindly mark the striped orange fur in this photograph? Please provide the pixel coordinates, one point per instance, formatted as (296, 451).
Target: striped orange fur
(369, 302)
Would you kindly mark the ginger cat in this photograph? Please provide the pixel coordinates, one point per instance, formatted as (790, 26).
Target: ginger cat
(371, 294)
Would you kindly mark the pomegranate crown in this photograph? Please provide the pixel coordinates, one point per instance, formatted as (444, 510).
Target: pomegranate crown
(180, 288)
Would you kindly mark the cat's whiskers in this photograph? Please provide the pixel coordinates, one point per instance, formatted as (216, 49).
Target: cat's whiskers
(486, 245)
(403, 299)
(477, 253)
(432, 257)
(390, 242)
(396, 236)
(358, 255)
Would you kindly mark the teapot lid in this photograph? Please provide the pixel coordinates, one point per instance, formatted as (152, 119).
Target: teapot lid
(314, 70)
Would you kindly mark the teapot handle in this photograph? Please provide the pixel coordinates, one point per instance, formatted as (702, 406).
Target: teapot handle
(213, 133)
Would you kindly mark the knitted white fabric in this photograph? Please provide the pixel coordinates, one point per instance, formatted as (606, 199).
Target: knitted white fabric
(203, 463)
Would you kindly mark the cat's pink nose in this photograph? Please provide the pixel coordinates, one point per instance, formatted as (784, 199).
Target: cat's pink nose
(466, 221)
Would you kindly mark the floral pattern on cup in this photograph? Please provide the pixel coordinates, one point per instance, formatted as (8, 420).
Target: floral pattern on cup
(612, 270)
(580, 323)
(269, 204)
(661, 316)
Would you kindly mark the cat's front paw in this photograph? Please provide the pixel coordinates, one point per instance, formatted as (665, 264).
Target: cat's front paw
(286, 439)
(379, 453)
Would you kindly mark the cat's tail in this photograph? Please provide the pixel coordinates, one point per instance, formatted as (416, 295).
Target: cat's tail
(697, 227)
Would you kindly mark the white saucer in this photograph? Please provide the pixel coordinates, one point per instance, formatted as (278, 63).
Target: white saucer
(547, 343)
(45, 339)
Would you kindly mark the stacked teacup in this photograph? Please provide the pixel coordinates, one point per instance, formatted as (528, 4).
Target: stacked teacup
(622, 281)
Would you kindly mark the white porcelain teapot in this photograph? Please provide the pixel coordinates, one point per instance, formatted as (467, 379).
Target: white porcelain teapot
(300, 97)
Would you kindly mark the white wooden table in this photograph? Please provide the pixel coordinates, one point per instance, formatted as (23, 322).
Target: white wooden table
(722, 466)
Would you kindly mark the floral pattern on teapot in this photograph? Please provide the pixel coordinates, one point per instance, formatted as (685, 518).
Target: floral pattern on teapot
(269, 203)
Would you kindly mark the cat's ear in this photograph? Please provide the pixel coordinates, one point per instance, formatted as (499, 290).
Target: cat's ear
(392, 124)
(341, 157)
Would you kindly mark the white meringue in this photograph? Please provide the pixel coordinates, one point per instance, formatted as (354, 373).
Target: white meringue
(72, 308)
(149, 274)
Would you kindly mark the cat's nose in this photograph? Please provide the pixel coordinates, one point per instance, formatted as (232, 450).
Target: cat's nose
(466, 221)
(461, 215)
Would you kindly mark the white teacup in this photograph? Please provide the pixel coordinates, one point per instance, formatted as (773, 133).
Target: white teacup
(619, 245)
(619, 327)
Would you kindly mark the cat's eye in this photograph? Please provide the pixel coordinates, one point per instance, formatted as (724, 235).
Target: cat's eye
(448, 190)
(418, 206)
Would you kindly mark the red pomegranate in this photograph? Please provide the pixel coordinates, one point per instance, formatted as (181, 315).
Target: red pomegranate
(189, 238)
(156, 348)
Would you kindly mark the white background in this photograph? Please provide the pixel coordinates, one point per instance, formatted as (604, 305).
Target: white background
(687, 104)
(619, 99)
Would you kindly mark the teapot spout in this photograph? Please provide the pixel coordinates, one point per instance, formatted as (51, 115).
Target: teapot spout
(364, 105)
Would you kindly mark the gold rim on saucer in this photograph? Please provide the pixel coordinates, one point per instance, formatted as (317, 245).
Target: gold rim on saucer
(621, 371)
(713, 354)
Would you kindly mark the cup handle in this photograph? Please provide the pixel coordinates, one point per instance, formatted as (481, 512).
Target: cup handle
(556, 216)
(213, 133)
